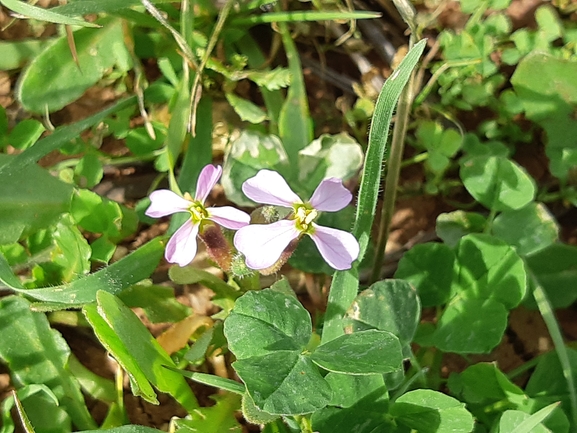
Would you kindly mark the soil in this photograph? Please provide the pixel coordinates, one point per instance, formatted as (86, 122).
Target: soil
(413, 221)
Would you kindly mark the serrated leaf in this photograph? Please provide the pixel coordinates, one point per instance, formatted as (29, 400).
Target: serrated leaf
(214, 419)
(271, 80)
(246, 109)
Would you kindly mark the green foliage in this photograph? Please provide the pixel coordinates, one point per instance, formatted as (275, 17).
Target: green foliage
(494, 95)
(37, 354)
(128, 340)
(39, 92)
(269, 333)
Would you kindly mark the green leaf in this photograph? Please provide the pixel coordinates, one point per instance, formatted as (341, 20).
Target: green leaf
(516, 421)
(429, 411)
(268, 331)
(284, 383)
(344, 286)
(190, 275)
(126, 337)
(339, 156)
(452, 226)
(441, 144)
(29, 200)
(550, 103)
(158, 302)
(428, 268)
(89, 171)
(25, 133)
(41, 14)
(98, 51)
(389, 305)
(482, 385)
(271, 80)
(497, 182)
(126, 429)
(36, 354)
(72, 252)
(471, 326)
(487, 278)
(59, 138)
(548, 383)
(249, 153)
(214, 419)
(15, 54)
(113, 279)
(246, 109)
(363, 352)
(41, 406)
(294, 124)
(528, 229)
(212, 380)
(267, 321)
(100, 215)
(489, 268)
(348, 390)
(555, 268)
(140, 143)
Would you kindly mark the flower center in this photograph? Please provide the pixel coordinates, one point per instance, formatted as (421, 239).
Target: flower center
(304, 216)
(198, 212)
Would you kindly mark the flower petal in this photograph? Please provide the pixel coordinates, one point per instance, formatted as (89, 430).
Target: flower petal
(228, 217)
(339, 248)
(269, 187)
(165, 202)
(181, 247)
(331, 195)
(207, 179)
(262, 244)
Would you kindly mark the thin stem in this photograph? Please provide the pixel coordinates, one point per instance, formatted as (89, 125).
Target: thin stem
(553, 327)
(194, 93)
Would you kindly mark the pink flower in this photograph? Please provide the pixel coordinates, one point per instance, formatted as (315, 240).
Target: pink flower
(181, 247)
(263, 244)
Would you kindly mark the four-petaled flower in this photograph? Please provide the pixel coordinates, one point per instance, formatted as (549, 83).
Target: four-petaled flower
(181, 247)
(263, 244)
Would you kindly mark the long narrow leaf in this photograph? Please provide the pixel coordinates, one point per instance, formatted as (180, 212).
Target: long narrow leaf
(60, 137)
(112, 279)
(41, 14)
(345, 283)
(284, 17)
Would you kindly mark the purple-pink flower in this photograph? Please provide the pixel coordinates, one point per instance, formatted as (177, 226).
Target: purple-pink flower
(181, 247)
(263, 244)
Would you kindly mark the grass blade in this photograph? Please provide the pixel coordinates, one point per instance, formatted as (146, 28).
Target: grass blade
(345, 283)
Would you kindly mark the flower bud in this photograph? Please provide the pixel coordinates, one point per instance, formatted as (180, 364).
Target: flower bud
(217, 246)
